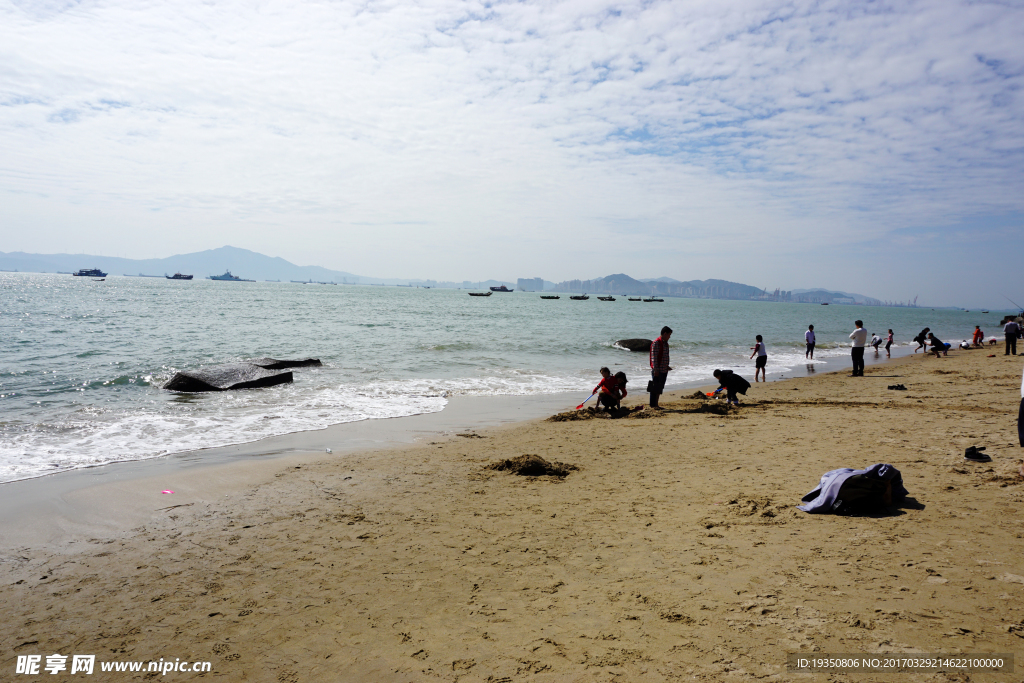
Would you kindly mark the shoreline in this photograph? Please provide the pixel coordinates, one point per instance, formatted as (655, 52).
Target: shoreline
(105, 501)
(674, 551)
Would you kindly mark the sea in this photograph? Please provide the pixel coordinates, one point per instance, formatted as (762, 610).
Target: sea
(83, 362)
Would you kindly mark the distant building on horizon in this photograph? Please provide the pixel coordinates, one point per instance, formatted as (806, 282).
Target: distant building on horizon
(531, 284)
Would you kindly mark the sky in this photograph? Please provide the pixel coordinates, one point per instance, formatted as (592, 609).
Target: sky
(874, 147)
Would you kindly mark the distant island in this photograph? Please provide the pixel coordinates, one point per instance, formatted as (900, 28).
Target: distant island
(252, 265)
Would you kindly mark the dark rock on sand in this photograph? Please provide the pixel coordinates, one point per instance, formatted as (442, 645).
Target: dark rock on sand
(637, 345)
(533, 466)
(276, 364)
(225, 377)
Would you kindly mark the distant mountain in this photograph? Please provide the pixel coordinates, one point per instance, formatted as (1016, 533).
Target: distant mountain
(703, 289)
(667, 280)
(826, 296)
(241, 262)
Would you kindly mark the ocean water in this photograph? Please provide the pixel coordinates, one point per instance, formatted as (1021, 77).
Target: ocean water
(82, 362)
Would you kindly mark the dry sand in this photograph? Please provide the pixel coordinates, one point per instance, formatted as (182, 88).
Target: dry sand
(674, 551)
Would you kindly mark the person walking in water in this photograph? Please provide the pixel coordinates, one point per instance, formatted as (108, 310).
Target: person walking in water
(888, 343)
(659, 365)
(859, 337)
(762, 357)
(809, 338)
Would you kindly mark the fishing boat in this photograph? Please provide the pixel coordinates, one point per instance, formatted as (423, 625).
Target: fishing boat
(653, 298)
(503, 288)
(606, 298)
(480, 293)
(551, 297)
(824, 303)
(90, 272)
(579, 298)
(636, 299)
(178, 276)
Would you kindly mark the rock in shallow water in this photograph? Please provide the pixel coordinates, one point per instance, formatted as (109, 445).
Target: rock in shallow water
(276, 364)
(634, 344)
(225, 377)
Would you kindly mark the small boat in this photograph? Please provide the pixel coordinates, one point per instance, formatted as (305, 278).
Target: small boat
(102, 279)
(480, 293)
(503, 288)
(90, 272)
(653, 298)
(606, 298)
(178, 276)
(824, 303)
(579, 298)
(984, 311)
(551, 297)
(636, 299)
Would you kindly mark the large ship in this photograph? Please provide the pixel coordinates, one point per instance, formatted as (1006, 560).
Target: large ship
(229, 277)
(178, 276)
(503, 288)
(90, 272)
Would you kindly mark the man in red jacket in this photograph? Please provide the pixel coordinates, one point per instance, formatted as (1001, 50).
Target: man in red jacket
(659, 365)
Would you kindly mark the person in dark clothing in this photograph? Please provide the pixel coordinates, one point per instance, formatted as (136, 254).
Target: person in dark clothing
(659, 365)
(937, 345)
(922, 339)
(1011, 330)
(732, 383)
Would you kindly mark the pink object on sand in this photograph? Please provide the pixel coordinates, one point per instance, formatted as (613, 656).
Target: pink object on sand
(167, 491)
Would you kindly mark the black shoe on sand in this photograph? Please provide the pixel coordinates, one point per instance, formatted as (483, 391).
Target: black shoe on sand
(974, 454)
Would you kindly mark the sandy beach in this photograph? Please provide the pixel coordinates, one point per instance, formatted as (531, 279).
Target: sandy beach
(674, 551)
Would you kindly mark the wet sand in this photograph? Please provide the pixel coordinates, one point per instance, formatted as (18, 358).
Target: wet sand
(674, 552)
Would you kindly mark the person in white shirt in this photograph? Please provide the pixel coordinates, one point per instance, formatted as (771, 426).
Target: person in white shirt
(762, 357)
(809, 338)
(875, 342)
(859, 337)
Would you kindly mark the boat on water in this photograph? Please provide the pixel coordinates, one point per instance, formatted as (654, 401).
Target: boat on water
(228, 277)
(178, 276)
(579, 298)
(653, 298)
(90, 272)
(639, 298)
(824, 303)
(606, 298)
(480, 293)
(503, 288)
(551, 297)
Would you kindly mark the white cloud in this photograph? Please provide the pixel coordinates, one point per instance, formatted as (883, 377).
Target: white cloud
(323, 130)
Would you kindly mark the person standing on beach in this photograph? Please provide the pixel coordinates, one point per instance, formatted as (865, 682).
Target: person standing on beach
(859, 337)
(1020, 415)
(888, 343)
(1011, 330)
(659, 365)
(809, 338)
(979, 337)
(762, 357)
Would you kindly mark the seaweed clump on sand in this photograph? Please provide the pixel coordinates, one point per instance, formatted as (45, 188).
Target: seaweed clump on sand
(592, 414)
(533, 466)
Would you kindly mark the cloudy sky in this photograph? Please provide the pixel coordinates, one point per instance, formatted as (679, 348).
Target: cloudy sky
(875, 147)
